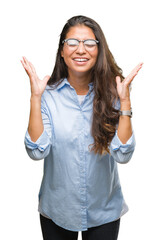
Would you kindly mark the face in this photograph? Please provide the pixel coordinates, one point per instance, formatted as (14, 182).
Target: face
(79, 61)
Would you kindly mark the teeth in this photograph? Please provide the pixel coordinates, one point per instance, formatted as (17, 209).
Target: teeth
(81, 59)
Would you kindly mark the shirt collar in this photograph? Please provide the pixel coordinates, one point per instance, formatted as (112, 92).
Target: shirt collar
(90, 86)
(65, 82)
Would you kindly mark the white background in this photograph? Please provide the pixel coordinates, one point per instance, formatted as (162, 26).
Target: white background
(134, 31)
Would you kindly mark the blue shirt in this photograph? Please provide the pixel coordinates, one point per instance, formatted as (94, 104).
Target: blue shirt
(79, 189)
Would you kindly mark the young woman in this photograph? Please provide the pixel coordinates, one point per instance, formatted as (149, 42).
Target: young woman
(80, 123)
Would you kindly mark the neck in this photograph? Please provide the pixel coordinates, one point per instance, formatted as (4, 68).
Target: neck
(79, 83)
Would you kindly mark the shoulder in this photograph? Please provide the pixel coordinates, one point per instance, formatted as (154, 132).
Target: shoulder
(52, 92)
(48, 91)
(57, 86)
(50, 88)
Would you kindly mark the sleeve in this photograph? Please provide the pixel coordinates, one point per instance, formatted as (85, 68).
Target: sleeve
(41, 148)
(122, 153)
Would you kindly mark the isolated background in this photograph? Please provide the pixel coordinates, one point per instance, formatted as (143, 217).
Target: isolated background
(134, 32)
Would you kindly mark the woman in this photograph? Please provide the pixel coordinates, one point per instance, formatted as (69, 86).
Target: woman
(80, 124)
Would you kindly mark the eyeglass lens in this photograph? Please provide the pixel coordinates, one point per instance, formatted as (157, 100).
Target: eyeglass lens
(89, 44)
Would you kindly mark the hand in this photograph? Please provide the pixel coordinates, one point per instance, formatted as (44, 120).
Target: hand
(123, 87)
(37, 86)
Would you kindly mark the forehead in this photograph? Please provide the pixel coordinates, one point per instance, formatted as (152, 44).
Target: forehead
(80, 32)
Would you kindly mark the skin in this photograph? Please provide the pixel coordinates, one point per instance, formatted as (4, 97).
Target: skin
(35, 126)
(79, 78)
(79, 72)
(124, 130)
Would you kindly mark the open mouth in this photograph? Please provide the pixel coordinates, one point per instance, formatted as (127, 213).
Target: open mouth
(81, 59)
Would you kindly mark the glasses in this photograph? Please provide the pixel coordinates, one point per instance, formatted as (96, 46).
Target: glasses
(89, 44)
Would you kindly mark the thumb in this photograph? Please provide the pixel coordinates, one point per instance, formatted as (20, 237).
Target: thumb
(118, 80)
(46, 78)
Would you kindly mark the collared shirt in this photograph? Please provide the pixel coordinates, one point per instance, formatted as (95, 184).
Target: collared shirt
(79, 189)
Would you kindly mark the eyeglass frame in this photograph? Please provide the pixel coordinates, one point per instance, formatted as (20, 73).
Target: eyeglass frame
(65, 40)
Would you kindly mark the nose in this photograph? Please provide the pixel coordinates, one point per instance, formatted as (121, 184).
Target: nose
(81, 48)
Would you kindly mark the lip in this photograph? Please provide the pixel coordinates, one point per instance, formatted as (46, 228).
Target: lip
(81, 58)
(80, 62)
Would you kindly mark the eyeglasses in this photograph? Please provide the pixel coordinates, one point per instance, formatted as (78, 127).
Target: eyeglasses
(89, 44)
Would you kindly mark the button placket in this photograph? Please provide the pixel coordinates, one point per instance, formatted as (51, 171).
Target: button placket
(82, 172)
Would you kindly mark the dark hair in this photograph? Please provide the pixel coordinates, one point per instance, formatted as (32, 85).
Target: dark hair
(103, 74)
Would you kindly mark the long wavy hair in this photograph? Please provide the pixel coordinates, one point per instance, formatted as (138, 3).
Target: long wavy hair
(103, 75)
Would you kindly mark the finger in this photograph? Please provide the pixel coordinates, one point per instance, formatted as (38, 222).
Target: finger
(22, 63)
(32, 67)
(46, 78)
(118, 80)
(26, 62)
(27, 66)
(137, 68)
(130, 78)
(133, 73)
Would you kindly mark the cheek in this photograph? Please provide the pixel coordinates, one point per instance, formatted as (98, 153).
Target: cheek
(66, 55)
(64, 52)
(95, 56)
(67, 61)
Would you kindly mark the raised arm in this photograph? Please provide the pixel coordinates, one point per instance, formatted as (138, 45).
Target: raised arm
(123, 143)
(124, 130)
(35, 126)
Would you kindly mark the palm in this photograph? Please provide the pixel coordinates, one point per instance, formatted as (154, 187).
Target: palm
(123, 87)
(37, 86)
